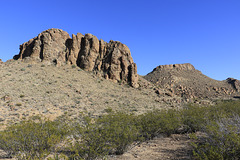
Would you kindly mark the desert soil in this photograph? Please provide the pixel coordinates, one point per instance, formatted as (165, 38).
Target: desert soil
(175, 147)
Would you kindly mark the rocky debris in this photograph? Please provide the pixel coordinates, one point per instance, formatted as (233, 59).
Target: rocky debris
(111, 60)
(185, 81)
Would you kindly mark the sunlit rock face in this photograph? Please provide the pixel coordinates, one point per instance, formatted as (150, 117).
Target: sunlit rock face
(111, 60)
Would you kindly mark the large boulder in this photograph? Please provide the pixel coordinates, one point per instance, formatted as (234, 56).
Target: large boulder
(112, 60)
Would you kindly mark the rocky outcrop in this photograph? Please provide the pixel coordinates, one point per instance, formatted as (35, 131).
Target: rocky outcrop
(50, 45)
(111, 60)
(184, 66)
(1, 61)
(235, 83)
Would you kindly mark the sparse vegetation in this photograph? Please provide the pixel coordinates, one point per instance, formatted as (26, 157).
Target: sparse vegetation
(114, 132)
(222, 129)
(32, 139)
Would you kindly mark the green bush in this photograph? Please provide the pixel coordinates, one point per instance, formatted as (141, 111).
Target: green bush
(88, 143)
(222, 131)
(159, 121)
(194, 117)
(111, 133)
(31, 139)
(222, 142)
(121, 129)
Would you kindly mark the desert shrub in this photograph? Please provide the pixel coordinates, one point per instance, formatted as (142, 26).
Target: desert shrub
(159, 121)
(222, 131)
(194, 117)
(89, 141)
(222, 141)
(111, 133)
(197, 117)
(121, 129)
(32, 139)
(227, 108)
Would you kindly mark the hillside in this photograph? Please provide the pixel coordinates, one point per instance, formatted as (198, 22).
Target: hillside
(185, 81)
(30, 89)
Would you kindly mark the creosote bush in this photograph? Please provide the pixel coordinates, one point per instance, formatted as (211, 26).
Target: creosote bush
(159, 121)
(111, 133)
(31, 139)
(222, 129)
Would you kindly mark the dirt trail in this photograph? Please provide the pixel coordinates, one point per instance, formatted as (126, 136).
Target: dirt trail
(175, 147)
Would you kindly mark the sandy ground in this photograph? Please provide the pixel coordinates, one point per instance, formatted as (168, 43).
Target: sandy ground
(175, 147)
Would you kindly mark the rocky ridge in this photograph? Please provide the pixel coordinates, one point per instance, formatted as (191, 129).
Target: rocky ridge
(185, 81)
(111, 60)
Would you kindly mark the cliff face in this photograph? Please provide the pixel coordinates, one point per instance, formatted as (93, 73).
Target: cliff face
(112, 60)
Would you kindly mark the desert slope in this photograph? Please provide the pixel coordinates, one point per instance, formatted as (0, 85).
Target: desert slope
(31, 89)
(185, 81)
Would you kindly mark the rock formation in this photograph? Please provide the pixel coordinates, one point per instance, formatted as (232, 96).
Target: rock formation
(185, 66)
(112, 60)
(185, 81)
(235, 83)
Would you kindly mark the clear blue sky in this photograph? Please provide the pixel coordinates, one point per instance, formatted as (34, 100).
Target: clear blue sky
(205, 33)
